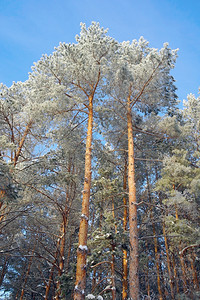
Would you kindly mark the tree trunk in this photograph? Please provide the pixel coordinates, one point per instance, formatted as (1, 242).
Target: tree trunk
(113, 273)
(2, 193)
(69, 252)
(125, 254)
(133, 230)
(22, 141)
(194, 272)
(48, 286)
(79, 291)
(61, 253)
(147, 274)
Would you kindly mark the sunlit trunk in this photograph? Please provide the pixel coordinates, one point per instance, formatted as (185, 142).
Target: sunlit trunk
(125, 254)
(79, 291)
(61, 254)
(22, 141)
(133, 230)
(113, 274)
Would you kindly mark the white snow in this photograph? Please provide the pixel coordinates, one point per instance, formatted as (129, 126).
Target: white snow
(90, 296)
(83, 248)
(84, 217)
(107, 287)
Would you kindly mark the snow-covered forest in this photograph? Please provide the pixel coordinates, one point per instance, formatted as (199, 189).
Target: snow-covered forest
(99, 176)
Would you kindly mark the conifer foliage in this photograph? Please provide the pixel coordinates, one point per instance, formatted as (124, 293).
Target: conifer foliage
(100, 176)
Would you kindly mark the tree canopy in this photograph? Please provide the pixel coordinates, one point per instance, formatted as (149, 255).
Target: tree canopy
(100, 176)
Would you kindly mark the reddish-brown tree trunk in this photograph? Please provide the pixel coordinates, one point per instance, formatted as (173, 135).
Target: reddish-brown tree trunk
(79, 291)
(113, 274)
(48, 286)
(147, 274)
(125, 254)
(22, 141)
(2, 193)
(194, 272)
(69, 253)
(133, 230)
(61, 253)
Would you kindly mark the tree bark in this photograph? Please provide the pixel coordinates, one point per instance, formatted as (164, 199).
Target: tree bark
(133, 230)
(69, 253)
(125, 254)
(113, 273)
(48, 286)
(2, 193)
(79, 291)
(61, 253)
(22, 141)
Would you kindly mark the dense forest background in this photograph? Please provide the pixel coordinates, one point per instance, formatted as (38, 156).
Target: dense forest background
(99, 176)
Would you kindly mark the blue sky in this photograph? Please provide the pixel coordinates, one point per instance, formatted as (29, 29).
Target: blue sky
(30, 28)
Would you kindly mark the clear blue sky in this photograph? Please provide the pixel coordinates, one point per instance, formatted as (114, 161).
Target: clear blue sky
(30, 28)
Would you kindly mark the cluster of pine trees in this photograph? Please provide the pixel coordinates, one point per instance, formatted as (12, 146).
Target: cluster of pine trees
(99, 176)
